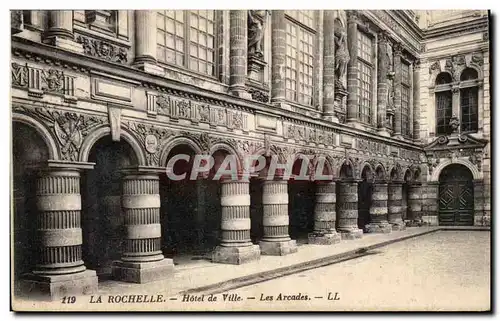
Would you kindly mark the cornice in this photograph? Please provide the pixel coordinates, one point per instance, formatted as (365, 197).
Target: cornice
(480, 23)
(55, 56)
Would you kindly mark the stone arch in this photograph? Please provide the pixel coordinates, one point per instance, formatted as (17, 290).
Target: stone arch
(380, 172)
(366, 171)
(105, 130)
(346, 169)
(231, 150)
(328, 164)
(470, 69)
(408, 176)
(476, 174)
(44, 133)
(441, 75)
(170, 144)
(395, 173)
(417, 174)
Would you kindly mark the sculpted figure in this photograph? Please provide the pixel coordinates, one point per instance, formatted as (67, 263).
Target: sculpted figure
(255, 31)
(341, 54)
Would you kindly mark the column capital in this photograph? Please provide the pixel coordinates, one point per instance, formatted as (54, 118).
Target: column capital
(398, 49)
(383, 37)
(353, 16)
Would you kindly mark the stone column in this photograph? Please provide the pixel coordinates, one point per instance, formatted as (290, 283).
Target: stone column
(455, 101)
(324, 215)
(347, 210)
(352, 67)
(238, 51)
(414, 201)
(329, 65)
(395, 210)
(142, 260)
(382, 89)
(276, 240)
(60, 32)
(236, 246)
(378, 209)
(145, 41)
(60, 270)
(278, 52)
(416, 101)
(397, 89)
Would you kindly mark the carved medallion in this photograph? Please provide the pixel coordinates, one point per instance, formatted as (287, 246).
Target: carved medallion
(151, 143)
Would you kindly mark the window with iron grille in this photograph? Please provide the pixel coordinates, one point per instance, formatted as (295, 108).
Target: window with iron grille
(365, 77)
(186, 38)
(468, 106)
(299, 56)
(405, 99)
(443, 112)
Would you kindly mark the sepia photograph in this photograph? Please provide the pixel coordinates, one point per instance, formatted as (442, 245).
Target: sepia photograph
(250, 160)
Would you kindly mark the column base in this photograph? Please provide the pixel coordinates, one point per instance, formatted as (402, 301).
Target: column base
(236, 255)
(150, 68)
(351, 234)
(384, 227)
(279, 248)
(241, 94)
(430, 220)
(324, 239)
(143, 272)
(65, 43)
(55, 287)
(331, 118)
(383, 132)
(398, 226)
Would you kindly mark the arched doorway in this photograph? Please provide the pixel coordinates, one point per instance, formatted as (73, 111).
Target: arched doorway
(301, 200)
(182, 216)
(29, 151)
(456, 196)
(365, 190)
(102, 219)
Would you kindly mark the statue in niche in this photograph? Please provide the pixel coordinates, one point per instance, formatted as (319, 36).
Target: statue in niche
(341, 54)
(256, 32)
(390, 60)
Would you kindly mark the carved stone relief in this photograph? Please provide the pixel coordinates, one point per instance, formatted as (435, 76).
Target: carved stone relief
(101, 49)
(69, 128)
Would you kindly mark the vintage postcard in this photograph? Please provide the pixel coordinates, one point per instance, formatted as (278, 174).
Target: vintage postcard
(250, 160)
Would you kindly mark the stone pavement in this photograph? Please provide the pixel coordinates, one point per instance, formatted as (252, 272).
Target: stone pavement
(205, 277)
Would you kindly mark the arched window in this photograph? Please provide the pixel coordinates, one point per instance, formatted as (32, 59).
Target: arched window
(469, 100)
(187, 38)
(444, 110)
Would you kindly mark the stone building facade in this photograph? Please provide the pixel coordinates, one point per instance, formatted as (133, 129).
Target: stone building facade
(397, 102)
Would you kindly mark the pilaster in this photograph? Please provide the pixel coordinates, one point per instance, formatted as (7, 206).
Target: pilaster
(60, 32)
(352, 67)
(145, 41)
(238, 50)
(397, 89)
(278, 50)
(382, 89)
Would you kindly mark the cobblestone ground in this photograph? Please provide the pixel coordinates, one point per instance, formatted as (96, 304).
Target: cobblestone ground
(446, 270)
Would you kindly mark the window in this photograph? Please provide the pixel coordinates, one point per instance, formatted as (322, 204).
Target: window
(469, 101)
(405, 99)
(365, 77)
(444, 112)
(187, 38)
(444, 108)
(299, 56)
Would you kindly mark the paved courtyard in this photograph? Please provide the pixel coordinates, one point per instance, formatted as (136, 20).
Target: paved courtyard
(446, 270)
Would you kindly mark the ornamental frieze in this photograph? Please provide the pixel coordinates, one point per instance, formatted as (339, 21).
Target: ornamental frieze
(309, 135)
(181, 108)
(371, 146)
(40, 81)
(69, 128)
(102, 49)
